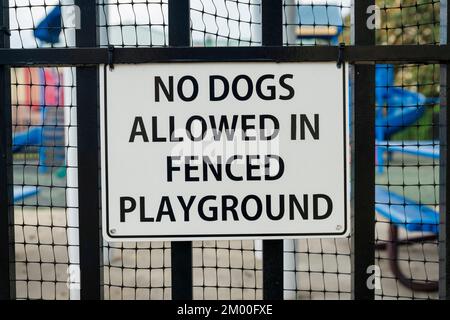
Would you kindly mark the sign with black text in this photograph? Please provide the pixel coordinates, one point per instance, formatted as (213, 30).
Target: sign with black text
(196, 151)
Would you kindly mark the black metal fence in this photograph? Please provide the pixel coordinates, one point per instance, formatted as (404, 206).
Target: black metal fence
(50, 242)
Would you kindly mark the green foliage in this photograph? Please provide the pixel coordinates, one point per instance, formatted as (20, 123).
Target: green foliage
(408, 22)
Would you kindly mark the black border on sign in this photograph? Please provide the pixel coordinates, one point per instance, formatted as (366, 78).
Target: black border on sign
(252, 235)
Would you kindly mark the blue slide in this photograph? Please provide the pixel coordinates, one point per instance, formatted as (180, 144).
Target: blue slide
(405, 213)
(397, 108)
(30, 137)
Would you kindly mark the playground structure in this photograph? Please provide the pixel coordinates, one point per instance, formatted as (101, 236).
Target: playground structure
(319, 22)
(38, 120)
(396, 109)
(40, 91)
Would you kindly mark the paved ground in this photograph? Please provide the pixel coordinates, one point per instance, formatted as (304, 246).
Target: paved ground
(323, 266)
(223, 269)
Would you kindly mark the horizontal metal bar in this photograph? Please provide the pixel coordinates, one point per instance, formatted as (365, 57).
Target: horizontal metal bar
(351, 54)
(397, 54)
(54, 56)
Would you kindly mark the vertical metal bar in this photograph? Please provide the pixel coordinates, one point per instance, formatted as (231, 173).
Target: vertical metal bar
(272, 35)
(363, 158)
(272, 22)
(179, 23)
(273, 270)
(88, 159)
(444, 173)
(7, 250)
(181, 261)
(181, 252)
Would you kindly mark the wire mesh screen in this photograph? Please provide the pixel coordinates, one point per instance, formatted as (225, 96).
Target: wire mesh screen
(309, 22)
(317, 268)
(226, 269)
(45, 164)
(133, 23)
(44, 155)
(402, 22)
(407, 180)
(29, 29)
(221, 269)
(46, 237)
(218, 23)
(407, 154)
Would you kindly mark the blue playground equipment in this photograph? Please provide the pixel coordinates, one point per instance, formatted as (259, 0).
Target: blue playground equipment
(396, 109)
(22, 140)
(426, 149)
(49, 29)
(402, 107)
(405, 213)
(320, 22)
(23, 192)
(27, 138)
(42, 137)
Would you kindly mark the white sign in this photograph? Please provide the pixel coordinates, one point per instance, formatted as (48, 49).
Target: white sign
(224, 150)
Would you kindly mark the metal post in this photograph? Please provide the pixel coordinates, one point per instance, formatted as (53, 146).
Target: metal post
(88, 159)
(363, 158)
(181, 252)
(444, 173)
(272, 35)
(7, 252)
(272, 22)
